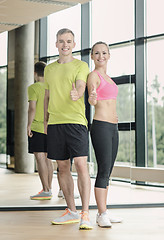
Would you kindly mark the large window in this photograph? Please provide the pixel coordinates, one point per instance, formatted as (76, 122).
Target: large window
(3, 92)
(154, 17)
(68, 18)
(3, 49)
(112, 21)
(155, 102)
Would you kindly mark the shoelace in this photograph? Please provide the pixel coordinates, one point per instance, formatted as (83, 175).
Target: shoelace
(84, 216)
(67, 211)
(40, 191)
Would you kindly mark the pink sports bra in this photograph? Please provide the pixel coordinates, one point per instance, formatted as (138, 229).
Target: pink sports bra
(106, 90)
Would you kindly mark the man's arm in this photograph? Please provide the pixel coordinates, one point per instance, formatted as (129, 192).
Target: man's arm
(78, 90)
(31, 115)
(46, 114)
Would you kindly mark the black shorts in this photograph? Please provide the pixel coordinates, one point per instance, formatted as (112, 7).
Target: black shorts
(66, 141)
(37, 143)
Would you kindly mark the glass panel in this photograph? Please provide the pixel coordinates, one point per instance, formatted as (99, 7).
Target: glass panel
(126, 150)
(122, 61)
(3, 83)
(3, 48)
(155, 103)
(126, 97)
(155, 17)
(112, 21)
(68, 18)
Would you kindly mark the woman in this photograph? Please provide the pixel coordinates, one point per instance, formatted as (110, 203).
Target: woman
(104, 131)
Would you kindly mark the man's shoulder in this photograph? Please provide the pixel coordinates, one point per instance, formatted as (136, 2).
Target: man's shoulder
(36, 86)
(50, 66)
(80, 63)
(31, 86)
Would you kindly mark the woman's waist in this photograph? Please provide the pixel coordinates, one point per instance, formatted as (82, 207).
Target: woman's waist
(107, 116)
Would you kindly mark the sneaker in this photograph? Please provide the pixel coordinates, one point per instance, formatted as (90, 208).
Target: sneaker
(85, 223)
(103, 220)
(67, 218)
(42, 196)
(115, 219)
(61, 195)
(111, 218)
(76, 196)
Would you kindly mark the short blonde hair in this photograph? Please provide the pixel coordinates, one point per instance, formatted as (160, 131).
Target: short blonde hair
(64, 30)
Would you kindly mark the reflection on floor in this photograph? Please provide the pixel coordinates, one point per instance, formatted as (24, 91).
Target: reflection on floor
(15, 190)
(138, 224)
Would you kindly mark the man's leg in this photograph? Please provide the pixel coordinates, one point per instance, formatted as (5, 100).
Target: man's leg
(66, 183)
(50, 172)
(42, 169)
(84, 183)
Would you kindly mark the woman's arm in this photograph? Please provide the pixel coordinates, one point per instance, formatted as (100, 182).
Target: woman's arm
(92, 84)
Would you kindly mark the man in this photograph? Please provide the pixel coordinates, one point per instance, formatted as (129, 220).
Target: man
(67, 135)
(35, 131)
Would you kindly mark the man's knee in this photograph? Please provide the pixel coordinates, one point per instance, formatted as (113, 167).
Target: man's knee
(81, 164)
(63, 166)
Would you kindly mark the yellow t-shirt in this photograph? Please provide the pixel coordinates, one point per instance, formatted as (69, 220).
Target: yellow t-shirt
(36, 93)
(58, 80)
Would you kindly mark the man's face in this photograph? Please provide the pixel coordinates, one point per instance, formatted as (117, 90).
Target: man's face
(65, 43)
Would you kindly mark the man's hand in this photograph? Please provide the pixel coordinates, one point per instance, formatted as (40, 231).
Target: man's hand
(29, 133)
(74, 93)
(45, 127)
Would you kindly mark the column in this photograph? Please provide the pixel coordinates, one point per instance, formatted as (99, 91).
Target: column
(24, 76)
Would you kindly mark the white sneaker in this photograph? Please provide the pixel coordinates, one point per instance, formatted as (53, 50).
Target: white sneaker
(60, 194)
(115, 219)
(103, 220)
(112, 219)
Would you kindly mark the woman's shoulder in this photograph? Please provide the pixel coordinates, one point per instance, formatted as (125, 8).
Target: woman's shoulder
(93, 74)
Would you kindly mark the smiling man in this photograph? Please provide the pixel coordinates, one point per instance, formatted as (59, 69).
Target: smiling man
(67, 135)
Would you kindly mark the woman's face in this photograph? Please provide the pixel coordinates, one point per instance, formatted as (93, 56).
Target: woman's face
(100, 55)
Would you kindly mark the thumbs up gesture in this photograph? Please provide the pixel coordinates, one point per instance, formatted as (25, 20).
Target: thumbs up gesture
(74, 93)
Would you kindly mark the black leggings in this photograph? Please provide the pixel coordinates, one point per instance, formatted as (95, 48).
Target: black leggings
(105, 139)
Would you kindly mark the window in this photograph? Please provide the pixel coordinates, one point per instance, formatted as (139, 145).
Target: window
(155, 102)
(154, 17)
(112, 21)
(3, 48)
(68, 18)
(126, 151)
(3, 91)
(126, 103)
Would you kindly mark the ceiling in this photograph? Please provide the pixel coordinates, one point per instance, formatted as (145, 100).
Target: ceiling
(15, 13)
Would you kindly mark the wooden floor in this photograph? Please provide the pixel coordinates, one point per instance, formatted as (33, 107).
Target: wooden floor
(138, 224)
(15, 190)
